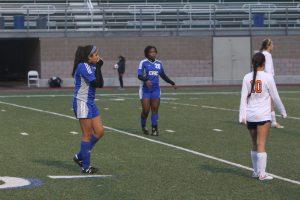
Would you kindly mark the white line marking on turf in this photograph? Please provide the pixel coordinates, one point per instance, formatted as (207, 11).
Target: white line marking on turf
(157, 142)
(170, 131)
(118, 99)
(106, 108)
(170, 99)
(74, 132)
(24, 134)
(3, 110)
(79, 176)
(219, 108)
(136, 94)
(217, 130)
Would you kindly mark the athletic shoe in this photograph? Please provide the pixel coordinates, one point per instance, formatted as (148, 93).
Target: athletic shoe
(145, 130)
(77, 160)
(276, 125)
(154, 131)
(254, 175)
(90, 170)
(265, 178)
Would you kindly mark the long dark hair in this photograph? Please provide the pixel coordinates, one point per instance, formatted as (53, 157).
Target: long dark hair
(257, 60)
(265, 44)
(147, 50)
(122, 58)
(81, 55)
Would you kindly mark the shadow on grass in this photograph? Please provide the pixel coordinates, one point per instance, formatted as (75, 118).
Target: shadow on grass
(66, 165)
(223, 170)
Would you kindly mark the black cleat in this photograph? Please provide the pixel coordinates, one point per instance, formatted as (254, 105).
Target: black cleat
(90, 170)
(145, 130)
(154, 131)
(77, 161)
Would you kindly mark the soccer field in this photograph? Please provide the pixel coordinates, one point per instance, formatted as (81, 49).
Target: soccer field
(202, 151)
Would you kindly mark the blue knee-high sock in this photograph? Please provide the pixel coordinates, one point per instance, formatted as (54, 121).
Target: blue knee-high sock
(86, 154)
(154, 119)
(143, 122)
(93, 141)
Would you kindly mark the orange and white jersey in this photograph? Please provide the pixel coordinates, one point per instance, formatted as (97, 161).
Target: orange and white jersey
(257, 107)
(269, 67)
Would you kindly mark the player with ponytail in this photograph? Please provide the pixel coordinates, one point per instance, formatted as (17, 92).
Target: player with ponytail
(88, 77)
(255, 111)
(267, 48)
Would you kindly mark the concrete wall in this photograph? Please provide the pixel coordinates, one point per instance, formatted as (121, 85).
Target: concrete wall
(187, 59)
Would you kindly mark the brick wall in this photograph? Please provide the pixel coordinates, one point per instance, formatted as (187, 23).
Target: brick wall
(186, 59)
(182, 56)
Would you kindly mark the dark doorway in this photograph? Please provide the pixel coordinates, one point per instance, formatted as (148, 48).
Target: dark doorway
(17, 57)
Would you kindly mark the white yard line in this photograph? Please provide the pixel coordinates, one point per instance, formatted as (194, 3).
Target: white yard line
(74, 132)
(79, 176)
(291, 98)
(217, 130)
(170, 131)
(25, 134)
(136, 94)
(218, 108)
(158, 142)
(117, 99)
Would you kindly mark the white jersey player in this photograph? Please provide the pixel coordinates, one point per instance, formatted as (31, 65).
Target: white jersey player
(255, 110)
(266, 49)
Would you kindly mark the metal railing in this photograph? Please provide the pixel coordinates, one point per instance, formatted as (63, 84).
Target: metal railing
(142, 17)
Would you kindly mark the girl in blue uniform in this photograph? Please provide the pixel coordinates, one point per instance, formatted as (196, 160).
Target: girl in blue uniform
(149, 72)
(88, 77)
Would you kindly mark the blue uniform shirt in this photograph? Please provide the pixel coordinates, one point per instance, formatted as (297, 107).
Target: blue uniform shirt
(152, 71)
(84, 74)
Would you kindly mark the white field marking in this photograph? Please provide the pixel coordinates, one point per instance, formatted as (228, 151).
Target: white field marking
(219, 108)
(80, 176)
(217, 130)
(118, 99)
(13, 182)
(24, 134)
(97, 99)
(158, 142)
(170, 99)
(3, 110)
(106, 108)
(136, 94)
(174, 107)
(74, 132)
(170, 131)
(291, 98)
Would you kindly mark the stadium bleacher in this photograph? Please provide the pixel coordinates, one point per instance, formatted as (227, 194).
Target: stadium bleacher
(146, 15)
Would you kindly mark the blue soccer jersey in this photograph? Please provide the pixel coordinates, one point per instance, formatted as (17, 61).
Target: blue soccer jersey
(84, 74)
(151, 71)
(84, 94)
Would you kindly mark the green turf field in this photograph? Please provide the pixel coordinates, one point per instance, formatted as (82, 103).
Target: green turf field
(175, 167)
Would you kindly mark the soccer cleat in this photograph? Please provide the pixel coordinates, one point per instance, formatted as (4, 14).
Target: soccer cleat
(145, 130)
(254, 175)
(276, 125)
(90, 170)
(77, 160)
(265, 177)
(154, 131)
